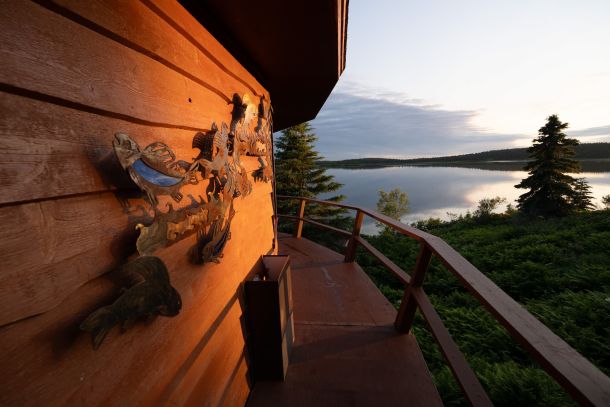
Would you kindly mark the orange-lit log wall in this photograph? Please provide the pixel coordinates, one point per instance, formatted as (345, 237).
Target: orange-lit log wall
(74, 73)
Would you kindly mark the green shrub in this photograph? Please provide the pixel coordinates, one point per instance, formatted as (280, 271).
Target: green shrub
(559, 269)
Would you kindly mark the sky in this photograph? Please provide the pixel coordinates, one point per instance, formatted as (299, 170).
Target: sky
(440, 77)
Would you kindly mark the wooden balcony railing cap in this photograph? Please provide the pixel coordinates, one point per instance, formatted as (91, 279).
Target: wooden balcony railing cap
(581, 379)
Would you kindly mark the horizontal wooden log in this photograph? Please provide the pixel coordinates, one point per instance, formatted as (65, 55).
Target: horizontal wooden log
(47, 361)
(52, 151)
(185, 24)
(136, 25)
(79, 65)
(72, 74)
(50, 248)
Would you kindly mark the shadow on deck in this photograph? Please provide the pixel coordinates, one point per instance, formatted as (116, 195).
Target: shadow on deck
(346, 350)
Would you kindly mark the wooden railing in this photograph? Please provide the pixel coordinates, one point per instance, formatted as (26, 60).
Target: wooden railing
(585, 383)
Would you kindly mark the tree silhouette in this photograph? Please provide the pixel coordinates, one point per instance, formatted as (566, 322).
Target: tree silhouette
(298, 174)
(551, 190)
(487, 206)
(583, 198)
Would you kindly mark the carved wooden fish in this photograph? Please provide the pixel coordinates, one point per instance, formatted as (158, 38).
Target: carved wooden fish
(152, 296)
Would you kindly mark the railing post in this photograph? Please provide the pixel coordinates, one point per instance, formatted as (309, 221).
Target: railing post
(408, 306)
(298, 230)
(350, 254)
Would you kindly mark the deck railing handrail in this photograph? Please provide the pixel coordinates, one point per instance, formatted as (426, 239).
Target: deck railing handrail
(585, 383)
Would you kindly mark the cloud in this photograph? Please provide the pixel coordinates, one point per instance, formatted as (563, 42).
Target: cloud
(361, 122)
(601, 133)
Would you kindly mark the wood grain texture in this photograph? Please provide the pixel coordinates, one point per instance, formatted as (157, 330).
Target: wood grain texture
(50, 248)
(46, 360)
(344, 287)
(210, 376)
(346, 352)
(138, 26)
(72, 74)
(184, 23)
(236, 394)
(53, 151)
(352, 244)
(80, 65)
(582, 380)
(408, 304)
(292, 47)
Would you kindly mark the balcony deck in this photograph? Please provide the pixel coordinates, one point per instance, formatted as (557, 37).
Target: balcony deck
(346, 350)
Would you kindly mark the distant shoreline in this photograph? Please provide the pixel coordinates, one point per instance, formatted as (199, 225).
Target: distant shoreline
(594, 157)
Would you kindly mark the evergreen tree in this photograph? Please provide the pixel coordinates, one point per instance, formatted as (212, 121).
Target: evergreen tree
(298, 174)
(583, 199)
(551, 190)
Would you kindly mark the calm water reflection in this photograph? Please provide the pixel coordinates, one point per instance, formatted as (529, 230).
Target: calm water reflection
(434, 191)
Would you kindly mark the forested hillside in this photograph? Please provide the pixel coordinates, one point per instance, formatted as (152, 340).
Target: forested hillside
(587, 151)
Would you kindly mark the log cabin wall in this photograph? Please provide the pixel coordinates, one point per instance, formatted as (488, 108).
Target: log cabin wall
(74, 73)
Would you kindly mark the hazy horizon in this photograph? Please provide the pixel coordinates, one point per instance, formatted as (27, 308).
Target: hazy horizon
(451, 155)
(446, 78)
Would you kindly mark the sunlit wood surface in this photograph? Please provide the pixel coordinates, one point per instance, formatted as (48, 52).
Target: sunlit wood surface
(347, 352)
(73, 73)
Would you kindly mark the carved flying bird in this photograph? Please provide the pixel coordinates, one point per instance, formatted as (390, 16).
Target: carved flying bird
(214, 153)
(155, 169)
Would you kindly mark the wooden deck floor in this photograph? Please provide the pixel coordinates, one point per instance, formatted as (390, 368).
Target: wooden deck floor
(346, 351)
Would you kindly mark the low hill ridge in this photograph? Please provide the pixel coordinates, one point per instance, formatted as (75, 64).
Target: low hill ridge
(585, 151)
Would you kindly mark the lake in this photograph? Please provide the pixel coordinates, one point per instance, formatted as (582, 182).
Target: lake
(435, 191)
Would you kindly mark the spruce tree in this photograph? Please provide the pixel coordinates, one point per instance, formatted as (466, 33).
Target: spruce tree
(551, 190)
(583, 198)
(298, 174)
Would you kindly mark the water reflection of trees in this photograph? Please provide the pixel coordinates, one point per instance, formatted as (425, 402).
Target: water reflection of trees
(587, 165)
